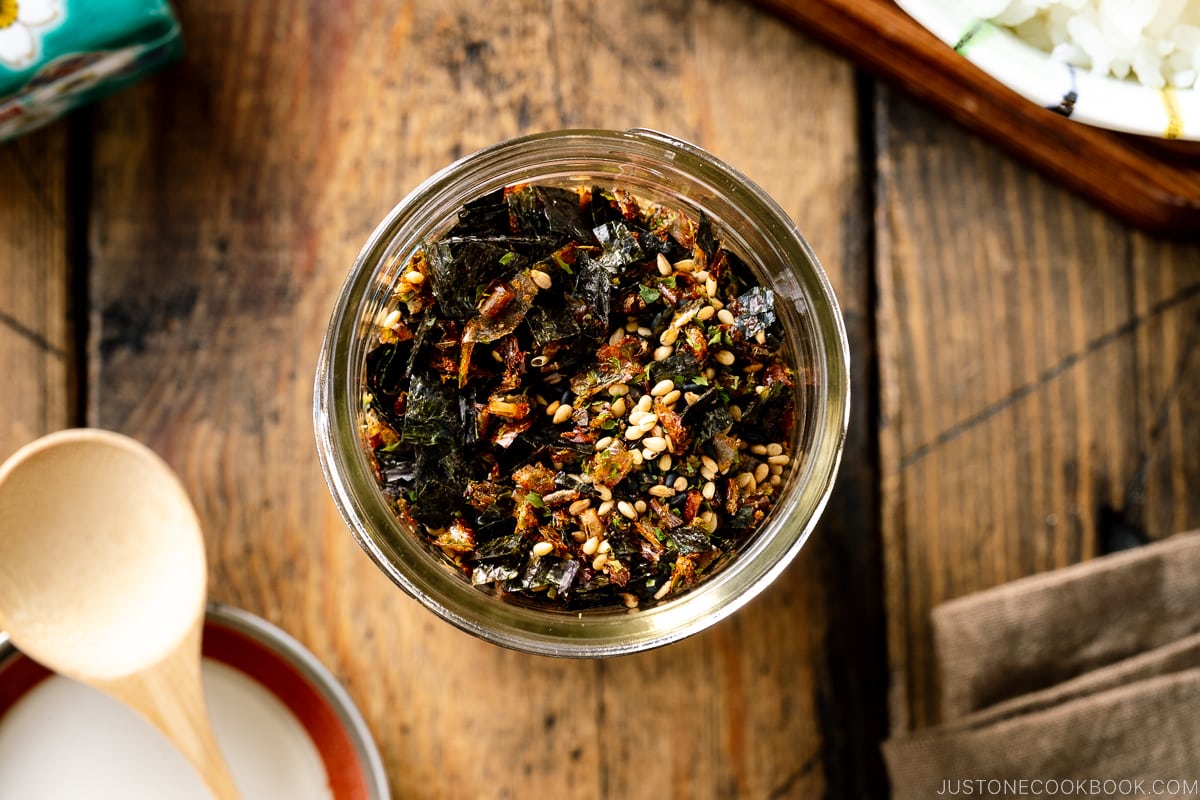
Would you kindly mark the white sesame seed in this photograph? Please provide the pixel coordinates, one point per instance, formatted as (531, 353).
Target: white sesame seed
(662, 387)
(669, 336)
(680, 484)
(633, 433)
(636, 455)
(725, 358)
(579, 505)
(542, 549)
(591, 545)
(552, 408)
(542, 279)
(776, 469)
(616, 337)
(655, 443)
(780, 459)
(629, 599)
(710, 489)
(710, 286)
(662, 591)
(599, 561)
(636, 416)
(640, 506)
(705, 313)
(648, 420)
(716, 304)
(605, 508)
(661, 491)
(690, 398)
(774, 449)
(709, 463)
(392, 318)
(664, 463)
(664, 266)
(604, 443)
(708, 474)
(604, 492)
(618, 389)
(562, 414)
(644, 331)
(725, 316)
(414, 277)
(648, 454)
(583, 478)
(672, 397)
(700, 274)
(604, 547)
(662, 353)
(618, 407)
(761, 472)
(685, 265)
(645, 403)
(743, 479)
(626, 509)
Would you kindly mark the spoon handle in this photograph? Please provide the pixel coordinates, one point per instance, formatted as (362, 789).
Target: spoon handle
(170, 695)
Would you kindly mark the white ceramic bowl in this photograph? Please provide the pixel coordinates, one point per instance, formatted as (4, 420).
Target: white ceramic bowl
(1121, 105)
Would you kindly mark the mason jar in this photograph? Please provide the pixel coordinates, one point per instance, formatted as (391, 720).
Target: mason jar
(656, 168)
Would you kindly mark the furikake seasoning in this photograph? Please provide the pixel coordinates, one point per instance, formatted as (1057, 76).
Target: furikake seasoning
(579, 399)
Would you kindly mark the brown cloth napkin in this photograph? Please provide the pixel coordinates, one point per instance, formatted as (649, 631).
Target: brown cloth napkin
(1089, 673)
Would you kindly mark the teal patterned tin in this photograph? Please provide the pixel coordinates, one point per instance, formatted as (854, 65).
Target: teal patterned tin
(59, 54)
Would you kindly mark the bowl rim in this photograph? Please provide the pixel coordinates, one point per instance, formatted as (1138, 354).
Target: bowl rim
(1102, 101)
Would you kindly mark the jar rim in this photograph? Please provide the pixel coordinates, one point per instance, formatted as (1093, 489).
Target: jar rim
(399, 553)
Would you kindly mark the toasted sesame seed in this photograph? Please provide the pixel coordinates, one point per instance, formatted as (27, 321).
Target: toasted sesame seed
(701, 274)
(662, 353)
(750, 369)
(605, 508)
(579, 536)
(774, 449)
(604, 492)
(725, 316)
(758, 449)
(744, 479)
(637, 458)
(616, 337)
(664, 463)
(662, 590)
(655, 443)
(710, 372)
(414, 277)
(542, 279)
(670, 443)
(552, 408)
(629, 599)
(599, 561)
(780, 459)
(716, 304)
(662, 387)
(604, 443)
(644, 331)
(543, 549)
(776, 469)
(776, 480)
(645, 403)
(669, 336)
(617, 409)
(680, 484)
(618, 389)
(664, 266)
(640, 506)
(633, 433)
(725, 357)
(392, 318)
(710, 489)
(708, 474)
(648, 454)
(685, 265)
(562, 414)
(705, 313)
(538, 361)
(591, 545)
(605, 547)
(709, 463)
(579, 505)
(690, 397)
(583, 478)
(661, 491)
(626, 509)
(761, 472)
(735, 411)
(710, 286)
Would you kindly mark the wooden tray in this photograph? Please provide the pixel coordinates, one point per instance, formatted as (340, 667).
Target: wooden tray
(1152, 184)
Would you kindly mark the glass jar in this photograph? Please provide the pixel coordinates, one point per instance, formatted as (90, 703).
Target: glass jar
(660, 169)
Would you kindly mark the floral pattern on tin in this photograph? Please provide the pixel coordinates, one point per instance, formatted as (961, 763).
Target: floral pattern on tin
(22, 25)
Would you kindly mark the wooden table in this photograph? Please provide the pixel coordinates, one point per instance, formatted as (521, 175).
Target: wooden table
(1027, 369)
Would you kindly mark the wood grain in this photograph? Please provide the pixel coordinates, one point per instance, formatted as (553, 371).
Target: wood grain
(37, 353)
(1152, 186)
(230, 197)
(1039, 374)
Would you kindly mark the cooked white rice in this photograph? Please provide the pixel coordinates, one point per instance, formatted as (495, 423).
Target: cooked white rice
(1156, 42)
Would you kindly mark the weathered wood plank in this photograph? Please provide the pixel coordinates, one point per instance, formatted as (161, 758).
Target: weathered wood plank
(230, 198)
(1023, 353)
(36, 334)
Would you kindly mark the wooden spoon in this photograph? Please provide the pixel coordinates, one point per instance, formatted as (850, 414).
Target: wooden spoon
(103, 579)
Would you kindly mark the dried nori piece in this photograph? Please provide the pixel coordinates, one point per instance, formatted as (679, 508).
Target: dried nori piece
(706, 238)
(690, 540)
(493, 573)
(550, 324)
(708, 416)
(387, 369)
(681, 366)
(457, 270)
(484, 216)
(592, 296)
(548, 571)
(547, 211)
(603, 208)
(754, 311)
(620, 247)
(508, 546)
(431, 415)
(441, 478)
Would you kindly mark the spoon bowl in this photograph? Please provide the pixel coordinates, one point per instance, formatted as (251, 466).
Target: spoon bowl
(103, 579)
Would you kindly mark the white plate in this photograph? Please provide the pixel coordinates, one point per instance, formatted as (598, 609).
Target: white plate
(1121, 105)
(285, 725)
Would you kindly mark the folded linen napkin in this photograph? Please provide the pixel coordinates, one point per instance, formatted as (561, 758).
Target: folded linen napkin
(1086, 674)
